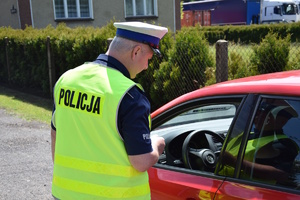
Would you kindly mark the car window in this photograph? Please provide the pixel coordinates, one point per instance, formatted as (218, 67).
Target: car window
(272, 154)
(201, 114)
(195, 136)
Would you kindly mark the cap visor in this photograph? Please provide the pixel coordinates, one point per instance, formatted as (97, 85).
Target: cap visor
(156, 51)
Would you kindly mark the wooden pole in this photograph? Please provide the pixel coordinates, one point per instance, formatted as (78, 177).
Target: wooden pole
(7, 58)
(221, 61)
(50, 66)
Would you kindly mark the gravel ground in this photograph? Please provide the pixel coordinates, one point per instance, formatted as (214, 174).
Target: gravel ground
(25, 159)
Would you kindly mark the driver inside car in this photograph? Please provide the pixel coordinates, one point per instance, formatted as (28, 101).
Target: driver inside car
(269, 153)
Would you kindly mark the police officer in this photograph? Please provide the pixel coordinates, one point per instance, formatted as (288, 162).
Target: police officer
(100, 128)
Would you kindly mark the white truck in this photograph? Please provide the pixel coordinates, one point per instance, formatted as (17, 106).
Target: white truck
(276, 11)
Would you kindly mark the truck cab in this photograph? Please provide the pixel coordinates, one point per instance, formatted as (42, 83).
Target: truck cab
(279, 11)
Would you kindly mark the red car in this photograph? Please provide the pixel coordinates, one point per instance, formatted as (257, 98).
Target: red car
(238, 139)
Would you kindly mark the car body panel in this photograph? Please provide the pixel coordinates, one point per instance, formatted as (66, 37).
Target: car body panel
(179, 185)
(263, 84)
(169, 182)
(235, 191)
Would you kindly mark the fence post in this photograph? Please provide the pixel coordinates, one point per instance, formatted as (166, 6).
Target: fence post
(221, 61)
(7, 58)
(50, 68)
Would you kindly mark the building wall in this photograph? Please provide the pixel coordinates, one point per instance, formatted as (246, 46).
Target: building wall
(104, 12)
(7, 18)
(169, 14)
(42, 13)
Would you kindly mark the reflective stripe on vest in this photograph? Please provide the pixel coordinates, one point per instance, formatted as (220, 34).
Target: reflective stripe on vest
(95, 167)
(102, 191)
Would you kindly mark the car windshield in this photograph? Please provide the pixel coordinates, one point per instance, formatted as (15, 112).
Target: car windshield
(201, 114)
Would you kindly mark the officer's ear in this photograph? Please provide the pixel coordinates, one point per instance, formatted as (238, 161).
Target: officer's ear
(135, 51)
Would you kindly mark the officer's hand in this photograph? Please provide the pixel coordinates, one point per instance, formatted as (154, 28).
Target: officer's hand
(158, 143)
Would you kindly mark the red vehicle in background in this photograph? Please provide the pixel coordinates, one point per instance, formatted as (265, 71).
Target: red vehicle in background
(233, 140)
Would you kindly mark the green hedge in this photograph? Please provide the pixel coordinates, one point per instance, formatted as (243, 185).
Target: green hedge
(27, 52)
(71, 47)
(250, 34)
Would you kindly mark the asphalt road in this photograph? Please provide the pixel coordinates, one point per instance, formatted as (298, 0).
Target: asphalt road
(25, 159)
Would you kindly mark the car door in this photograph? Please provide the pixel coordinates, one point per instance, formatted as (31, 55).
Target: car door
(171, 177)
(265, 161)
(171, 183)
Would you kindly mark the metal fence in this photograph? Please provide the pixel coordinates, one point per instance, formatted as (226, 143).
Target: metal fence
(189, 68)
(230, 61)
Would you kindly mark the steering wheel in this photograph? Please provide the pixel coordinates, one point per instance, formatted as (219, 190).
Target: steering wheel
(204, 149)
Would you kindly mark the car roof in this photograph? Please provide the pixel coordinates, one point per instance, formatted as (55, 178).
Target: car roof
(279, 83)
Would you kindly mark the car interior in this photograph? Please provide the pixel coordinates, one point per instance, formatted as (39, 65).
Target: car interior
(195, 138)
(276, 145)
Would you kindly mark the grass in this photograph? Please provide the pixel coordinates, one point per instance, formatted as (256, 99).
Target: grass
(26, 106)
(246, 50)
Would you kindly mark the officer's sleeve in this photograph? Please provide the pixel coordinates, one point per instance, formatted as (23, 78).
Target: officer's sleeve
(133, 122)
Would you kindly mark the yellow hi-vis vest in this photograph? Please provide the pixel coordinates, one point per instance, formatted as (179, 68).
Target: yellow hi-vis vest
(252, 146)
(90, 158)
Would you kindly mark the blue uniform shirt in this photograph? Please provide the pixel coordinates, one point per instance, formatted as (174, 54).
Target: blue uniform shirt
(133, 113)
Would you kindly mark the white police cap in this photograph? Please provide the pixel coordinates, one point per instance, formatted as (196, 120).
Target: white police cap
(142, 32)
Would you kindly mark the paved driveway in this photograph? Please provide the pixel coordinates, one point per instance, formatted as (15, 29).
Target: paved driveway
(25, 159)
